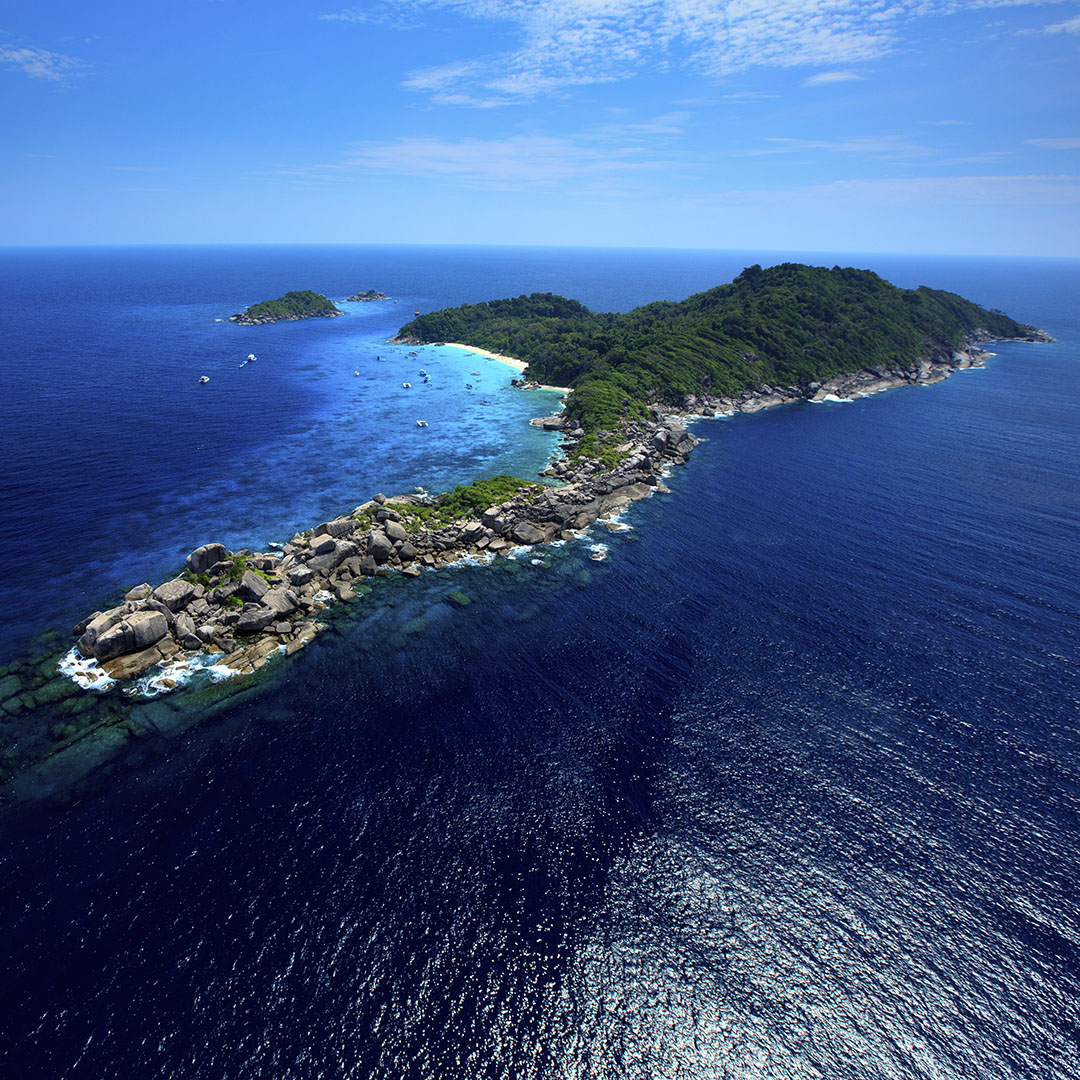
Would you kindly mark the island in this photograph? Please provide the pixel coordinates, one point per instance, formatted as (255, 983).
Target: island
(788, 334)
(366, 296)
(302, 304)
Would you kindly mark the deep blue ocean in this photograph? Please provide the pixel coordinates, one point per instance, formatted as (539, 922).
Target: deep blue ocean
(788, 786)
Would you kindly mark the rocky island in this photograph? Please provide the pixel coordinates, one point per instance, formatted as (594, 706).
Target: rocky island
(366, 296)
(772, 337)
(303, 304)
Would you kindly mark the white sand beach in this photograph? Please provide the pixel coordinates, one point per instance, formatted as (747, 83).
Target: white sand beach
(519, 365)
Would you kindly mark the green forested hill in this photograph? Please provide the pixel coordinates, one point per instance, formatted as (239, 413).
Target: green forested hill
(298, 304)
(788, 325)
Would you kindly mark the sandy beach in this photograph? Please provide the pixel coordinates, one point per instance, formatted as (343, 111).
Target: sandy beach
(519, 365)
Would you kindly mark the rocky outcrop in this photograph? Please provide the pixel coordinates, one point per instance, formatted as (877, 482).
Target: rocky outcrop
(366, 296)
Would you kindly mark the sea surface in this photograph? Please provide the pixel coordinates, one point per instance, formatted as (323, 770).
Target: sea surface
(787, 785)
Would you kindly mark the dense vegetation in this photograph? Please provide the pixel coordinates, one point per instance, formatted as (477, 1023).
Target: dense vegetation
(297, 304)
(464, 502)
(788, 325)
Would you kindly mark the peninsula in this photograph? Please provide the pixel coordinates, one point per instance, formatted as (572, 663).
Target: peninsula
(792, 333)
(303, 304)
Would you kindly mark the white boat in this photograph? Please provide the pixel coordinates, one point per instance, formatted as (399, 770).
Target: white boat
(205, 378)
(421, 423)
(252, 356)
(407, 385)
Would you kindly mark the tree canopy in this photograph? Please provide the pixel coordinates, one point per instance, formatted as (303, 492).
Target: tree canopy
(788, 325)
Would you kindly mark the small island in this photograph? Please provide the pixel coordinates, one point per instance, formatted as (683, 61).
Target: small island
(366, 296)
(302, 304)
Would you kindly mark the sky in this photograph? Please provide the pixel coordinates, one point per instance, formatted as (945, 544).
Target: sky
(922, 126)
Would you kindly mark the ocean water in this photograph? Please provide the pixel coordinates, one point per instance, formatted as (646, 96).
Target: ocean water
(786, 786)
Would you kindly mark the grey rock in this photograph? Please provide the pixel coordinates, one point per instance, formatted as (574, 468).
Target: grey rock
(99, 626)
(280, 601)
(252, 586)
(253, 618)
(395, 530)
(140, 592)
(380, 547)
(525, 533)
(407, 552)
(175, 594)
(321, 545)
(202, 558)
(300, 575)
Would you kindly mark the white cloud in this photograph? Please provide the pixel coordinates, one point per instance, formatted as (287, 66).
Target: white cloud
(1069, 26)
(566, 43)
(824, 78)
(1070, 143)
(887, 147)
(963, 190)
(40, 63)
(514, 163)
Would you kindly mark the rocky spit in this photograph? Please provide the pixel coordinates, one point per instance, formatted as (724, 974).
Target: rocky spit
(236, 609)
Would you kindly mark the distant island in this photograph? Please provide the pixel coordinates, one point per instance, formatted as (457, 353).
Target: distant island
(781, 334)
(303, 304)
(366, 296)
(791, 333)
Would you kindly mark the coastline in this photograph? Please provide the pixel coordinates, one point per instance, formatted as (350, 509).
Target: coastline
(235, 622)
(517, 365)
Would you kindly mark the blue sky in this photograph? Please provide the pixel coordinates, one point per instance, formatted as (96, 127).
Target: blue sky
(947, 126)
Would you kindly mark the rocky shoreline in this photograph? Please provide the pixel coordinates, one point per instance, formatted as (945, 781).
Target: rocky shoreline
(244, 319)
(237, 609)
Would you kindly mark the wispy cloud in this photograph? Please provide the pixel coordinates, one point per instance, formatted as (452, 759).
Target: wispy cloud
(515, 163)
(1069, 26)
(568, 43)
(41, 64)
(824, 78)
(884, 147)
(1068, 143)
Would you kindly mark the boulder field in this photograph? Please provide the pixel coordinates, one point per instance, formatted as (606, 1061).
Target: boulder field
(247, 605)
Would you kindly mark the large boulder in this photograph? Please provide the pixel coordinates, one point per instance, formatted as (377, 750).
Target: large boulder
(253, 618)
(407, 553)
(395, 530)
(99, 626)
(253, 586)
(281, 601)
(140, 592)
(337, 527)
(322, 544)
(137, 631)
(300, 575)
(526, 533)
(202, 558)
(175, 594)
(380, 547)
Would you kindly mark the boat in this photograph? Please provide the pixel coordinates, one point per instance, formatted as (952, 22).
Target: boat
(474, 372)
(252, 356)
(485, 402)
(205, 378)
(356, 372)
(427, 378)
(422, 371)
(416, 312)
(407, 385)
(468, 386)
(421, 423)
